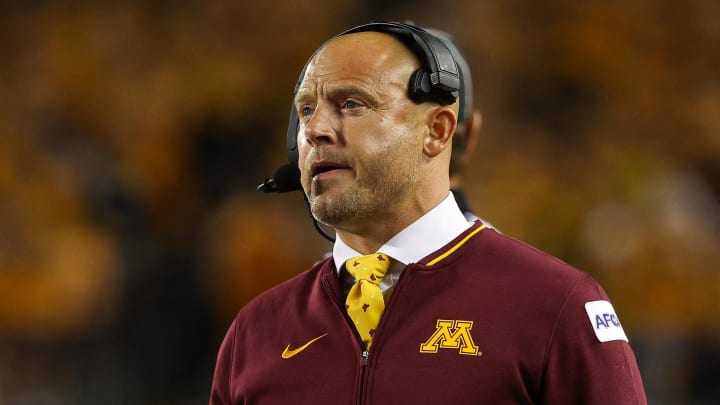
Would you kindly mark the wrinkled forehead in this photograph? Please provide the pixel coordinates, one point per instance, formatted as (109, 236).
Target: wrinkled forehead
(373, 56)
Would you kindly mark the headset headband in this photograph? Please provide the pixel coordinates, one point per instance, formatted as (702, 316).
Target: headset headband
(432, 51)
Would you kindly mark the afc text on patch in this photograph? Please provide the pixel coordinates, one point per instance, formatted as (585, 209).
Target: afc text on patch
(604, 321)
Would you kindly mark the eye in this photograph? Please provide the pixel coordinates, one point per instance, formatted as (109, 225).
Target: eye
(350, 104)
(306, 111)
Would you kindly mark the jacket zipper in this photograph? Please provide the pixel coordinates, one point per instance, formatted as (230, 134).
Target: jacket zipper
(364, 354)
(363, 366)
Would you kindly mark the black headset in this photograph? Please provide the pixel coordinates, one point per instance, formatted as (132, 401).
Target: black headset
(437, 80)
(465, 94)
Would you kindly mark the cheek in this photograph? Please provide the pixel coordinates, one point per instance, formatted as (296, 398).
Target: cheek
(300, 139)
(303, 166)
(303, 150)
(398, 147)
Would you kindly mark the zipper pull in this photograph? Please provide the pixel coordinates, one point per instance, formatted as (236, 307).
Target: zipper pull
(364, 357)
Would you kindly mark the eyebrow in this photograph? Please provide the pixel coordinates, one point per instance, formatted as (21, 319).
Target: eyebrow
(338, 92)
(345, 91)
(303, 97)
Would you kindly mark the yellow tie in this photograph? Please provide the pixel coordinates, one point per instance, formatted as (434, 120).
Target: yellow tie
(365, 302)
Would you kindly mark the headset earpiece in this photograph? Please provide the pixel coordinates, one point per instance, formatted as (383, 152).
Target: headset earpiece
(421, 89)
(420, 86)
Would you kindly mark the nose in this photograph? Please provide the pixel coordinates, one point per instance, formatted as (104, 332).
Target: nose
(320, 127)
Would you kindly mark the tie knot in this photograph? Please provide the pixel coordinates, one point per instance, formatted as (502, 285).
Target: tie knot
(370, 268)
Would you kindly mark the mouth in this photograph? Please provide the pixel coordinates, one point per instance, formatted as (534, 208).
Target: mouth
(321, 167)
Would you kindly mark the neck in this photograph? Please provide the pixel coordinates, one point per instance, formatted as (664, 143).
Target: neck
(369, 235)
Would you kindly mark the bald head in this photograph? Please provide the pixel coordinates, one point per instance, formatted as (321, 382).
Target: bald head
(378, 60)
(384, 55)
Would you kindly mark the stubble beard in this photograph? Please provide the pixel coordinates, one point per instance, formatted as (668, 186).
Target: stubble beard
(386, 182)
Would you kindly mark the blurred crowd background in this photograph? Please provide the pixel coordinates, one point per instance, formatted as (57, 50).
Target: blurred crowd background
(133, 135)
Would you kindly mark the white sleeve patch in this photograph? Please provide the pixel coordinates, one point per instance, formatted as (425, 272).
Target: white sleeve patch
(605, 323)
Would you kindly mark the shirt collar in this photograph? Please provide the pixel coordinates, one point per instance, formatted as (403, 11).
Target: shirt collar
(427, 234)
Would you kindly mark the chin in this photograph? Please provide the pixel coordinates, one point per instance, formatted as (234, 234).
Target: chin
(328, 212)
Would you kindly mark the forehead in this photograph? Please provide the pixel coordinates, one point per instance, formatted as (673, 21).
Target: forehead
(371, 58)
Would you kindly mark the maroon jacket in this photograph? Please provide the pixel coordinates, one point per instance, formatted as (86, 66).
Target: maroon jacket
(484, 320)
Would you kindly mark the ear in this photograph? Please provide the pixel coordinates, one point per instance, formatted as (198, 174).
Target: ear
(441, 123)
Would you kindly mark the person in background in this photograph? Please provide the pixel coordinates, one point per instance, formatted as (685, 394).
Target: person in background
(468, 126)
(416, 305)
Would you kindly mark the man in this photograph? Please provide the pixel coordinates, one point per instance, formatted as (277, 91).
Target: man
(416, 305)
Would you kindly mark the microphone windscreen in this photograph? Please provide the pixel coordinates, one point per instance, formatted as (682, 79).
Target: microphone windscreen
(287, 178)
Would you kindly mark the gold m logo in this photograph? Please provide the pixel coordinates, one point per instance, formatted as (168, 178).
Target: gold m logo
(451, 334)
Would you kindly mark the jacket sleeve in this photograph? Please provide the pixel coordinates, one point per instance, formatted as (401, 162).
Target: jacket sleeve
(221, 392)
(588, 359)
